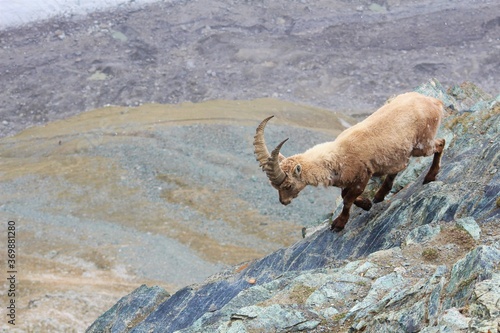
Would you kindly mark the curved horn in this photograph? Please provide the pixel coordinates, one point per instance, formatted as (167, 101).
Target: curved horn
(273, 169)
(261, 152)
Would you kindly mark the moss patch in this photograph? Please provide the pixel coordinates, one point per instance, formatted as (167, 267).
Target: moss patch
(430, 253)
(300, 293)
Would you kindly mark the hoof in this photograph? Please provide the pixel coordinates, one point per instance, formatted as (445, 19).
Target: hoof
(364, 204)
(377, 200)
(428, 180)
(337, 225)
(336, 229)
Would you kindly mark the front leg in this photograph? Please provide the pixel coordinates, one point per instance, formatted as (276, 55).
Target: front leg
(361, 202)
(350, 196)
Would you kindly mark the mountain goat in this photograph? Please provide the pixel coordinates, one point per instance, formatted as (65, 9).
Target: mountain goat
(379, 145)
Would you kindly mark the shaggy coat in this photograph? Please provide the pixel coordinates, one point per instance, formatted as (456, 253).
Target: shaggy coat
(382, 144)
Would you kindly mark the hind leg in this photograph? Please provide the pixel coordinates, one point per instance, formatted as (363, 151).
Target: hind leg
(436, 161)
(385, 188)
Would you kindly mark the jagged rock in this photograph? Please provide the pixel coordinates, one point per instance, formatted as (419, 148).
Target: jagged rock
(392, 282)
(454, 319)
(434, 288)
(366, 278)
(485, 307)
(368, 270)
(478, 265)
(470, 225)
(422, 234)
(130, 310)
(337, 290)
(273, 318)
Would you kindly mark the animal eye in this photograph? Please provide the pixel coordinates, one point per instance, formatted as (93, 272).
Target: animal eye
(298, 169)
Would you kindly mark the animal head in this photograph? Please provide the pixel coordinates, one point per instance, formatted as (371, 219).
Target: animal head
(285, 174)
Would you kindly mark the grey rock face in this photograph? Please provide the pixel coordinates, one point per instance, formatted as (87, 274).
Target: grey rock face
(422, 234)
(130, 310)
(370, 277)
(470, 225)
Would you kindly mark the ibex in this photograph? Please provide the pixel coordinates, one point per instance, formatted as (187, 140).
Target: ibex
(382, 144)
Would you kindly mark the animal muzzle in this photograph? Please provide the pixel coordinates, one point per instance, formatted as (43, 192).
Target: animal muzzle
(285, 201)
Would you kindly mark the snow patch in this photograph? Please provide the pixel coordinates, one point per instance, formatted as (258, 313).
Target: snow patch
(17, 12)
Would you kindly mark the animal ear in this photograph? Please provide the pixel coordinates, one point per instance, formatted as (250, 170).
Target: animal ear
(297, 170)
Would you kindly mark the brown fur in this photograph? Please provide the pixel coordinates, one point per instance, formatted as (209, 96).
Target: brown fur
(379, 145)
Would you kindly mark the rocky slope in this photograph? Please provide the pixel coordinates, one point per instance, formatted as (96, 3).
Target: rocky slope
(425, 260)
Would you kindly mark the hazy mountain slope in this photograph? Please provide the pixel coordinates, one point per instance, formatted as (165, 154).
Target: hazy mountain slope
(347, 56)
(159, 194)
